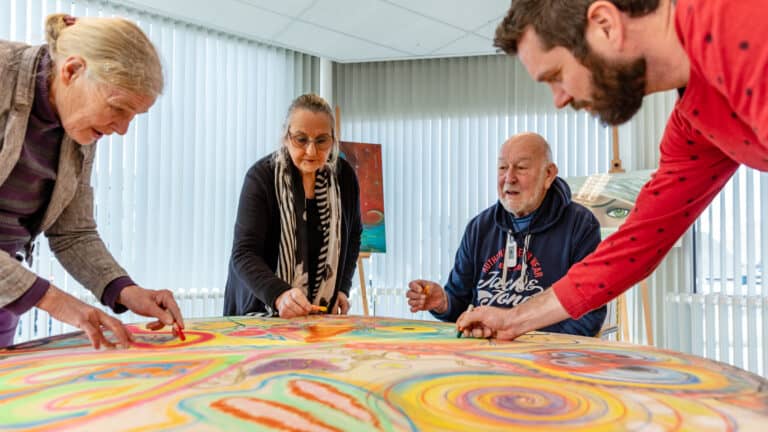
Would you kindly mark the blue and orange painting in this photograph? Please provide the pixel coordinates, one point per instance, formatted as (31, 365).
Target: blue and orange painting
(366, 160)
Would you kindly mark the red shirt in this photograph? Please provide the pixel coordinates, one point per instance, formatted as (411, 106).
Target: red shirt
(720, 122)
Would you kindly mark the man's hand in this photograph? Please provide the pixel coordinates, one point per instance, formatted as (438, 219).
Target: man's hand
(92, 321)
(152, 303)
(426, 295)
(507, 324)
(292, 303)
(488, 322)
(342, 304)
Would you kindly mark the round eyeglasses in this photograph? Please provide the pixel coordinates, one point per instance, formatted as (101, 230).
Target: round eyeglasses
(300, 140)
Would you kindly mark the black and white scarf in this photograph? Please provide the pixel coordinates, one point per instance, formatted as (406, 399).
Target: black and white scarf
(292, 262)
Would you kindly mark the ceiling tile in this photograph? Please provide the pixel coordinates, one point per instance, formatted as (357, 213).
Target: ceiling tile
(467, 15)
(335, 46)
(489, 29)
(467, 45)
(348, 30)
(285, 7)
(382, 23)
(231, 16)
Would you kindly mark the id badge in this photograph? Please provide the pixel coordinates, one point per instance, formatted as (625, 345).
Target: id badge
(510, 254)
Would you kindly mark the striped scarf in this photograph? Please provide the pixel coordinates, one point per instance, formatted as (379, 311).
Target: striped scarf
(292, 258)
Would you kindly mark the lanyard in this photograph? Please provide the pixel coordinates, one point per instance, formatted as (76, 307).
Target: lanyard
(510, 258)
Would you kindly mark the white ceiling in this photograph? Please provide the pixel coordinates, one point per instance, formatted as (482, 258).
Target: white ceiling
(349, 31)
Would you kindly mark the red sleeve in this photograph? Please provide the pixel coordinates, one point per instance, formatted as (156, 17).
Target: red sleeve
(726, 42)
(691, 173)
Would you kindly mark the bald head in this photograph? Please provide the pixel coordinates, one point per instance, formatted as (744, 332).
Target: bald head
(528, 142)
(525, 173)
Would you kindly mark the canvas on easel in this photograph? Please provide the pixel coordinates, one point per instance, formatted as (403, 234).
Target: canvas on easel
(610, 197)
(365, 159)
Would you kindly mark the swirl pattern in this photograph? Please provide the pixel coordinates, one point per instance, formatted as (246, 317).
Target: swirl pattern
(328, 373)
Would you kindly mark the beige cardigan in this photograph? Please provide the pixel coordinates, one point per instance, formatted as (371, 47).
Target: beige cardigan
(68, 221)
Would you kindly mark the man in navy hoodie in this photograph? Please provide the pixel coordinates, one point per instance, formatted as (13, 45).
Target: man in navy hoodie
(519, 246)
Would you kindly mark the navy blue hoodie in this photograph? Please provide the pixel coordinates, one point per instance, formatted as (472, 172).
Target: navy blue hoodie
(561, 234)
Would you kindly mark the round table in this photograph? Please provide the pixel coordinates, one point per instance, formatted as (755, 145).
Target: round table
(324, 373)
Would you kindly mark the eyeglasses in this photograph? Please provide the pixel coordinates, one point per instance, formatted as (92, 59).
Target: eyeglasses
(300, 140)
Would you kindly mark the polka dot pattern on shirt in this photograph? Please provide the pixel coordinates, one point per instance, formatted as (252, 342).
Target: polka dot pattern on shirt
(708, 39)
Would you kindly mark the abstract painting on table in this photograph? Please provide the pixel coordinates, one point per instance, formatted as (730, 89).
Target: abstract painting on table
(348, 373)
(610, 197)
(366, 160)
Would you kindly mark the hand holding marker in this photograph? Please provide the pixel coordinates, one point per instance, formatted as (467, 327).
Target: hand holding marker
(460, 332)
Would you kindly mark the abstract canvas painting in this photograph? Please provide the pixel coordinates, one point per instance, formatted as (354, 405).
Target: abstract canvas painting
(331, 373)
(366, 160)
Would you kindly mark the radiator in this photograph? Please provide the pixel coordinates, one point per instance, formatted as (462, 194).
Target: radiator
(732, 329)
(194, 303)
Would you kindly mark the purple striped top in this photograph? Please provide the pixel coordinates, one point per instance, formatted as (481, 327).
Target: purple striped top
(24, 196)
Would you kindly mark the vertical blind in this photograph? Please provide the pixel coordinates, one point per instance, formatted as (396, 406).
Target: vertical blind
(732, 241)
(167, 191)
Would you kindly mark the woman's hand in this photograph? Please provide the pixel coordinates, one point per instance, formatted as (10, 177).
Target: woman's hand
(342, 304)
(292, 303)
(158, 304)
(92, 321)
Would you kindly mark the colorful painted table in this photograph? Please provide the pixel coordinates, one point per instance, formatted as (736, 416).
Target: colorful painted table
(347, 373)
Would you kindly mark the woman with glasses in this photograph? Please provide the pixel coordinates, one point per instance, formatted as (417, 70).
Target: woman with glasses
(297, 234)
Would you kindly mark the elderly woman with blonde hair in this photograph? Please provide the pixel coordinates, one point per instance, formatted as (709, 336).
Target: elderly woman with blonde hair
(297, 234)
(56, 101)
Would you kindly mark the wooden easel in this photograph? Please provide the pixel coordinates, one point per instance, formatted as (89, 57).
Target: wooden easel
(622, 319)
(361, 273)
(361, 255)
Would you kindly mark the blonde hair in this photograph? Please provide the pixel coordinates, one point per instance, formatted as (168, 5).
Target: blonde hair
(316, 104)
(115, 50)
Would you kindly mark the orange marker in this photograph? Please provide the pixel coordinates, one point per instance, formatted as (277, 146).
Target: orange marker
(180, 332)
(426, 290)
(319, 308)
